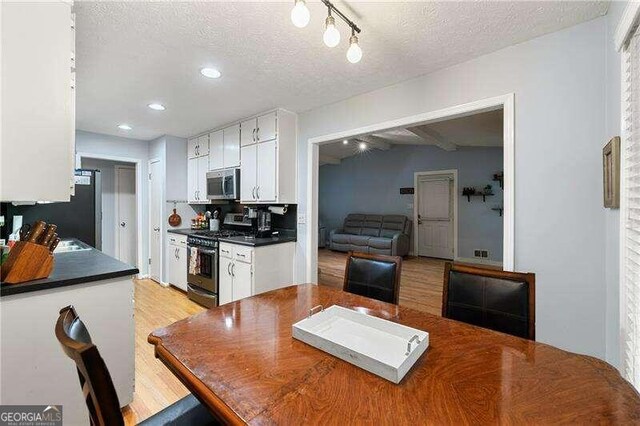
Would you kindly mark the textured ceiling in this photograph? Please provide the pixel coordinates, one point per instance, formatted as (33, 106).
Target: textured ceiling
(131, 54)
(484, 129)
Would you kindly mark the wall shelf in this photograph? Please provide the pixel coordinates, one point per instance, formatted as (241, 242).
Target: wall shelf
(478, 194)
(499, 177)
(498, 209)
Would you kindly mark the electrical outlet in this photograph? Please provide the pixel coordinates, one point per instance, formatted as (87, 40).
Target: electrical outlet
(477, 253)
(485, 254)
(302, 219)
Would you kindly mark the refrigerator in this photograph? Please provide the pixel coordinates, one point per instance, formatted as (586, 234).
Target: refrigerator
(79, 218)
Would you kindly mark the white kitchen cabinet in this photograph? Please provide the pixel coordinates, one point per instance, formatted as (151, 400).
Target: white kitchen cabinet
(267, 129)
(216, 150)
(246, 271)
(197, 169)
(177, 260)
(198, 146)
(268, 167)
(232, 146)
(37, 102)
(248, 132)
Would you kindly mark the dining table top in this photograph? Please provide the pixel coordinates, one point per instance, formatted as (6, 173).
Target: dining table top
(241, 361)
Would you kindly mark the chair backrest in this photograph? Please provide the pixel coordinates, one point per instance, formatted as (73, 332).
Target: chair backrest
(95, 380)
(498, 300)
(373, 275)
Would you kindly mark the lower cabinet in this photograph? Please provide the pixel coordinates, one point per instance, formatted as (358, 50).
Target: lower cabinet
(177, 261)
(246, 271)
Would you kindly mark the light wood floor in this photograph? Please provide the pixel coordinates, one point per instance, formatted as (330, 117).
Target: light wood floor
(157, 306)
(156, 387)
(420, 282)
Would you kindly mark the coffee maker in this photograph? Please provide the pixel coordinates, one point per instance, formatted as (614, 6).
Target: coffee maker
(260, 221)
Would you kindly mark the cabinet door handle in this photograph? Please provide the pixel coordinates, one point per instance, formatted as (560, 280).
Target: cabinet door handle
(253, 135)
(253, 192)
(229, 268)
(258, 134)
(233, 269)
(258, 192)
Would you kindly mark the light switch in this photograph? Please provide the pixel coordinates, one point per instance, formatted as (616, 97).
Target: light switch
(302, 219)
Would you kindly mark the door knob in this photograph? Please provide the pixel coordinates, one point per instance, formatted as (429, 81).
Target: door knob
(156, 229)
(123, 224)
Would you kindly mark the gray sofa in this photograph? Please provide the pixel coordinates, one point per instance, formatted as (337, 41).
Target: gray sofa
(373, 233)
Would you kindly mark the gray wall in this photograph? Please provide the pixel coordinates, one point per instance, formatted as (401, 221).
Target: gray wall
(97, 144)
(108, 175)
(370, 183)
(560, 97)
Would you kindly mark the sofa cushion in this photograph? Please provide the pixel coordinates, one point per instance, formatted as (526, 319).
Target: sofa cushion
(380, 242)
(359, 240)
(392, 225)
(353, 224)
(340, 238)
(371, 225)
(372, 232)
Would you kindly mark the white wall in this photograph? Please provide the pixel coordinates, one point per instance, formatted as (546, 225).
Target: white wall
(559, 132)
(612, 216)
(100, 145)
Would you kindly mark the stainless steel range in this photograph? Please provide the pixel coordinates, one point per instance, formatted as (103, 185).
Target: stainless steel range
(202, 274)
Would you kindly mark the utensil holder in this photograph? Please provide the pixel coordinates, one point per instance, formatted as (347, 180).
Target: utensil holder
(27, 262)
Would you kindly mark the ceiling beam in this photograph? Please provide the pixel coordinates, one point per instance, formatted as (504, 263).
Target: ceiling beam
(375, 142)
(327, 159)
(433, 137)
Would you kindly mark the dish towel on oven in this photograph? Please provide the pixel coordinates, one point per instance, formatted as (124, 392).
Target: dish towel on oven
(194, 261)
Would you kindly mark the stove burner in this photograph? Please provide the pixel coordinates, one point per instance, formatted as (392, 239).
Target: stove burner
(219, 234)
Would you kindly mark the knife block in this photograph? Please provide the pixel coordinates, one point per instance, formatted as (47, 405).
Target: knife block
(27, 262)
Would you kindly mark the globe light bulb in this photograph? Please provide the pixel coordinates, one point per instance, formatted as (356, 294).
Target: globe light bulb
(331, 36)
(300, 14)
(354, 53)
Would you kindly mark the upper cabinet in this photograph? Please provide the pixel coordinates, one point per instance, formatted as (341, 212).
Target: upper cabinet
(198, 146)
(268, 161)
(264, 147)
(37, 102)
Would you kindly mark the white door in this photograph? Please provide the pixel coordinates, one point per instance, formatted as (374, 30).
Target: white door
(232, 146)
(155, 219)
(203, 168)
(241, 280)
(126, 237)
(266, 176)
(192, 180)
(248, 132)
(266, 127)
(225, 286)
(216, 150)
(435, 218)
(192, 148)
(248, 173)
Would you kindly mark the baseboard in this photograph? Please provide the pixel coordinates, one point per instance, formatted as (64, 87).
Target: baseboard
(143, 276)
(478, 261)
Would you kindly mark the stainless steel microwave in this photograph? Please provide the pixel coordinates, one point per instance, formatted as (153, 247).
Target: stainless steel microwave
(223, 184)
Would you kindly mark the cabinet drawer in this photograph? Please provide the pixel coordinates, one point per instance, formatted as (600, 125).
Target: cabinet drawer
(226, 251)
(243, 254)
(177, 240)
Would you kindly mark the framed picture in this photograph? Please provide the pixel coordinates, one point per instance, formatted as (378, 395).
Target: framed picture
(611, 173)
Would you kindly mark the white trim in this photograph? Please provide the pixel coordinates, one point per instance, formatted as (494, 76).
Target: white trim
(116, 196)
(416, 176)
(628, 20)
(478, 261)
(138, 164)
(159, 281)
(507, 102)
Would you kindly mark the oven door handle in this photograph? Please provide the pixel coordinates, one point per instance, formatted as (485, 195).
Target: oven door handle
(203, 251)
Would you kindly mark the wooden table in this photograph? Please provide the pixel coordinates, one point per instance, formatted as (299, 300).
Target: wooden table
(241, 361)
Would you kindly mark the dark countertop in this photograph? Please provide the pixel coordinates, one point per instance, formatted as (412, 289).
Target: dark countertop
(257, 242)
(181, 231)
(74, 268)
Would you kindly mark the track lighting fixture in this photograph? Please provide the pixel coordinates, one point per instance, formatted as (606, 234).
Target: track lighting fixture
(300, 17)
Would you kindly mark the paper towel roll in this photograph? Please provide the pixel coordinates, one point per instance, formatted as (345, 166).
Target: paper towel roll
(278, 209)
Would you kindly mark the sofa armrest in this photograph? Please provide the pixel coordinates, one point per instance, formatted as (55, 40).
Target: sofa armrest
(400, 245)
(335, 231)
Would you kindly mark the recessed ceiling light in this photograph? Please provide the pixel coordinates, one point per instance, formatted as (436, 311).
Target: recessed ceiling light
(210, 72)
(345, 142)
(362, 146)
(124, 127)
(157, 107)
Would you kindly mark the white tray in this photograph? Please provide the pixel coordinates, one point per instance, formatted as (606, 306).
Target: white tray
(381, 347)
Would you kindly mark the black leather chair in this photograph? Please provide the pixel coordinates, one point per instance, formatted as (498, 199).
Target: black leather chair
(373, 275)
(498, 300)
(97, 386)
